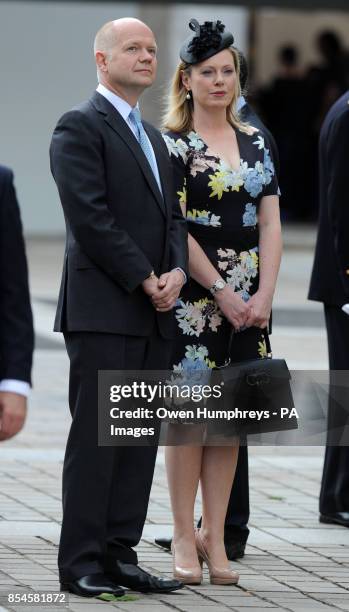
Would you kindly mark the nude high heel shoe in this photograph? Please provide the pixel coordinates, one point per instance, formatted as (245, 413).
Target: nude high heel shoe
(186, 575)
(218, 575)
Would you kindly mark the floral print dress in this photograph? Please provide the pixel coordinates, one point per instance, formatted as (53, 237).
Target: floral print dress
(222, 215)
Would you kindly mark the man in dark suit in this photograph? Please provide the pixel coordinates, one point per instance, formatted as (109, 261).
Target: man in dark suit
(250, 116)
(125, 263)
(16, 322)
(236, 531)
(330, 285)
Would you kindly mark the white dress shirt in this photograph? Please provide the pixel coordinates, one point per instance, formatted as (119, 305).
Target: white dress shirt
(241, 102)
(124, 108)
(15, 386)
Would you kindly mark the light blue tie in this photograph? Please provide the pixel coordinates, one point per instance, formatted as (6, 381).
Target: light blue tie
(135, 117)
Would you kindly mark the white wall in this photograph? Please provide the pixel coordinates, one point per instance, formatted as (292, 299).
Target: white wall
(47, 66)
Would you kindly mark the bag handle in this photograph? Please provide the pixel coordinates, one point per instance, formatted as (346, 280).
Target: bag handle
(230, 343)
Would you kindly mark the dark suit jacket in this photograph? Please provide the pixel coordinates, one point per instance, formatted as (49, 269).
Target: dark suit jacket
(330, 276)
(16, 323)
(119, 227)
(248, 114)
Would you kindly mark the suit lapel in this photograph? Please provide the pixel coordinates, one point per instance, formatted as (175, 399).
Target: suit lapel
(113, 118)
(163, 166)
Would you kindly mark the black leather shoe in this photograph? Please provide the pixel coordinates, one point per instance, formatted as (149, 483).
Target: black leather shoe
(93, 586)
(164, 543)
(234, 550)
(137, 579)
(337, 518)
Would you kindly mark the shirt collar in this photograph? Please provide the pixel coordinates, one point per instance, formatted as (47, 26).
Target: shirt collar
(240, 103)
(123, 107)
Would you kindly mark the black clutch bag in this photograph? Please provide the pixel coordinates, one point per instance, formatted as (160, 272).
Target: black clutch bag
(260, 389)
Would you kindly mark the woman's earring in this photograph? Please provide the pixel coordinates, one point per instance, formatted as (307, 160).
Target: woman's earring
(188, 96)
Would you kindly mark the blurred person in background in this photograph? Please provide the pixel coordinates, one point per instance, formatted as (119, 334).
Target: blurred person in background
(283, 107)
(16, 321)
(330, 285)
(249, 115)
(328, 80)
(325, 82)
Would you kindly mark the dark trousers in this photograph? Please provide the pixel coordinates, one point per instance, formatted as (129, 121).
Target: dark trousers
(105, 489)
(238, 512)
(334, 494)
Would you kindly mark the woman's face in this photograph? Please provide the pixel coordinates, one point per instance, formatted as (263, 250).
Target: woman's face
(212, 83)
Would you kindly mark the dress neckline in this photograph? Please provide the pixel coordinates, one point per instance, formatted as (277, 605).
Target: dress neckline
(215, 154)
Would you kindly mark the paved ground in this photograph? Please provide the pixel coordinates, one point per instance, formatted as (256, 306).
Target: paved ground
(292, 563)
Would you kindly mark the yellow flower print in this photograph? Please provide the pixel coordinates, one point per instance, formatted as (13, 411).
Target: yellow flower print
(197, 214)
(262, 349)
(183, 194)
(210, 364)
(254, 257)
(202, 302)
(203, 217)
(218, 184)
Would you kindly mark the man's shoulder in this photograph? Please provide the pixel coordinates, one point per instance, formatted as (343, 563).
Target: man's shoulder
(84, 108)
(6, 176)
(338, 115)
(87, 110)
(249, 114)
(341, 106)
(5, 173)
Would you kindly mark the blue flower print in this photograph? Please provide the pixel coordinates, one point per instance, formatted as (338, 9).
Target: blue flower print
(269, 168)
(244, 295)
(194, 370)
(259, 142)
(190, 365)
(195, 141)
(254, 182)
(249, 217)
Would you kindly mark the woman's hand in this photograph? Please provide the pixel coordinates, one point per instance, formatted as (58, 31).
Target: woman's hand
(233, 307)
(260, 309)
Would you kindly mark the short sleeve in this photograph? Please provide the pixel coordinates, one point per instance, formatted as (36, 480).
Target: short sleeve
(271, 184)
(178, 151)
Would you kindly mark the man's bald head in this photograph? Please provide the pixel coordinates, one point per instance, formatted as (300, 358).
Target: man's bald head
(108, 35)
(125, 53)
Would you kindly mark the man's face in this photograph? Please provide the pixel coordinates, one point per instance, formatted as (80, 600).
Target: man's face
(132, 63)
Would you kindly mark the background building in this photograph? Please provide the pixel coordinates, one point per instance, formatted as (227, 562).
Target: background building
(47, 66)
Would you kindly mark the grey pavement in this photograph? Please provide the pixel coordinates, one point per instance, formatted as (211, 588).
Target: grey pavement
(292, 562)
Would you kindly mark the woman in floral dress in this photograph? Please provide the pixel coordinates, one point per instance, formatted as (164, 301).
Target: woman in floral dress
(226, 185)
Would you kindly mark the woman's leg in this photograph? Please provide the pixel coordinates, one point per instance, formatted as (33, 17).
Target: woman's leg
(183, 465)
(217, 476)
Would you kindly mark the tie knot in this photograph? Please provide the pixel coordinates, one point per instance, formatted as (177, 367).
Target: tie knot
(135, 114)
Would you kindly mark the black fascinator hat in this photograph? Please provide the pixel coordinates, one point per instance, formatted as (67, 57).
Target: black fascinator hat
(207, 40)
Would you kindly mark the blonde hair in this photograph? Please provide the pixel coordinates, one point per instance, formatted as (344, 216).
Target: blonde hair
(178, 116)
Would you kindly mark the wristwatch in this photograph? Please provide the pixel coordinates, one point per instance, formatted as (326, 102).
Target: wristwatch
(218, 285)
